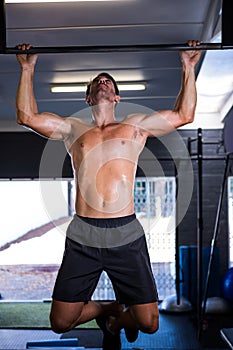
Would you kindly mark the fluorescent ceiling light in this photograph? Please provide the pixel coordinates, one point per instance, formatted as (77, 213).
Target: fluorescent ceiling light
(34, 1)
(131, 87)
(82, 88)
(68, 88)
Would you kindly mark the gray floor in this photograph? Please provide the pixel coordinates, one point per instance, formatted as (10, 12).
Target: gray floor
(17, 339)
(176, 332)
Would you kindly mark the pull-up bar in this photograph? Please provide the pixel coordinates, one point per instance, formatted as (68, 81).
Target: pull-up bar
(227, 40)
(116, 48)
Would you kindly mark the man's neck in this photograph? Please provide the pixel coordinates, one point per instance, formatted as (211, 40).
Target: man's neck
(103, 114)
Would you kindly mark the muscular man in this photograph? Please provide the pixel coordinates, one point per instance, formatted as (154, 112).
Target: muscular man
(104, 233)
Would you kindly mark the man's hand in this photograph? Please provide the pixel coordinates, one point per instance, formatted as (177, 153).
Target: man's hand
(26, 60)
(191, 57)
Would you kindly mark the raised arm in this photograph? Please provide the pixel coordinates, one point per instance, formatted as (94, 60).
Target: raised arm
(46, 124)
(161, 122)
(187, 99)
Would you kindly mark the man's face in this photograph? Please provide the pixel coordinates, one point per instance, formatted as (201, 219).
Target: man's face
(102, 88)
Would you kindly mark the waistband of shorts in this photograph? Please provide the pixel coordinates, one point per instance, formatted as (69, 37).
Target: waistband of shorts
(108, 222)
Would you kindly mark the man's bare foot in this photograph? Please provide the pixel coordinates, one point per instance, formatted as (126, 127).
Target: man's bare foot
(113, 325)
(131, 334)
(111, 340)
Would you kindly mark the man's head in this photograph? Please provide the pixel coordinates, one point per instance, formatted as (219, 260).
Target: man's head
(104, 78)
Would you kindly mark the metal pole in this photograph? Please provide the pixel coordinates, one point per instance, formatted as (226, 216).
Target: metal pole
(199, 231)
(177, 257)
(70, 207)
(2, 27)
(214, 239)
(114, 48)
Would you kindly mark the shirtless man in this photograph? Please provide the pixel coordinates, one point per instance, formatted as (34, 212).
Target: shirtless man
(104, 233)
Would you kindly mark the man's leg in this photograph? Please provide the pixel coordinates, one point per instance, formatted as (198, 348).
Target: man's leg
(64, 316)
(143, 317)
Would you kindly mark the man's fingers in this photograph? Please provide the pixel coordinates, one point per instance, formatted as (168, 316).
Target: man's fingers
(24, 46)
(194, 43)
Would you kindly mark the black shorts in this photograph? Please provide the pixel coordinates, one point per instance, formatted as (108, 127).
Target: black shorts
(128, 266)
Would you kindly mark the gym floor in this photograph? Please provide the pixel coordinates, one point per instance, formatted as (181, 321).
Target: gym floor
(176, 332)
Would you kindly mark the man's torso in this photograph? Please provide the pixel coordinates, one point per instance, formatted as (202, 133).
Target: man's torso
(105, 161)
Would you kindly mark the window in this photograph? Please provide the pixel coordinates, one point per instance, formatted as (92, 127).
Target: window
(31, 248)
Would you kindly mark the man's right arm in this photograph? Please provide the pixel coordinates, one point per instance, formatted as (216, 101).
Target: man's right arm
(46, 124)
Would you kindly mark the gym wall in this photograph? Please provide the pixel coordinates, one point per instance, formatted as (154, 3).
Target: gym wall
(21, 154)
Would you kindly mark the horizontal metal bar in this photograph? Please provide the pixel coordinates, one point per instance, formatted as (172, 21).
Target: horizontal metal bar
(212, 142)
(115, 48)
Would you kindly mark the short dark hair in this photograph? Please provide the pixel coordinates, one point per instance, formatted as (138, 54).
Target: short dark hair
(106, 75)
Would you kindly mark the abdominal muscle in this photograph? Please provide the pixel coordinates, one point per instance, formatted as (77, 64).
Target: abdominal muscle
(108, 192)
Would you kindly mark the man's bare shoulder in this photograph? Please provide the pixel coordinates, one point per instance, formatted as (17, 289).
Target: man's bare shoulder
(78, 124)
(133, 119)
(78, 128)
(76, 121)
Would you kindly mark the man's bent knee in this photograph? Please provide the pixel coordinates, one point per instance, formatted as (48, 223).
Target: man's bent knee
(149, 325)
(64, 316)
(146, 317)
(60, 325)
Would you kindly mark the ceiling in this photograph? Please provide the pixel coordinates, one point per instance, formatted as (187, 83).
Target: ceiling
(119, 22)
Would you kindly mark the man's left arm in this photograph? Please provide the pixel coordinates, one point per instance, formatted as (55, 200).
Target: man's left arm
(162, 122)
(187, 99)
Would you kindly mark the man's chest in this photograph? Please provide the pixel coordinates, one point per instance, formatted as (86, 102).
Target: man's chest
(111, 136)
